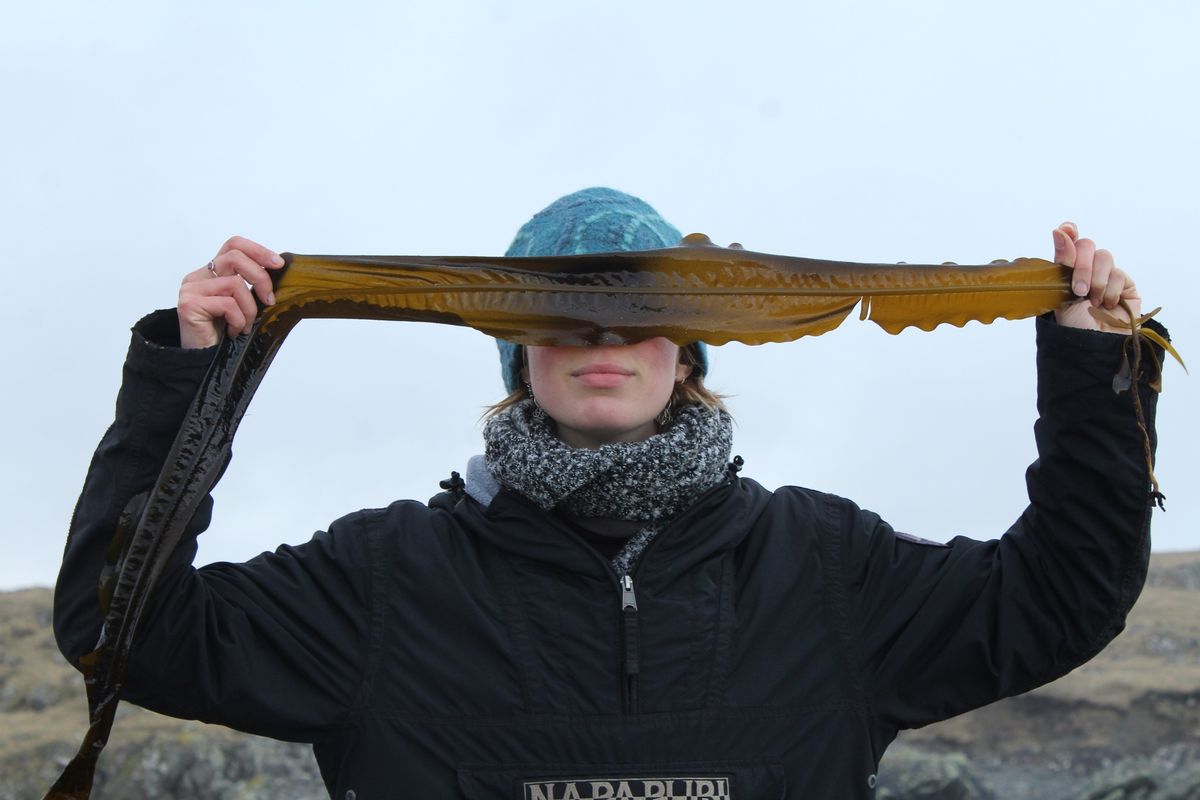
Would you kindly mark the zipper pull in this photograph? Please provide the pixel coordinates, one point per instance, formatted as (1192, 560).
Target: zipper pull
(628, 598)
(629, 624)
(629, 620)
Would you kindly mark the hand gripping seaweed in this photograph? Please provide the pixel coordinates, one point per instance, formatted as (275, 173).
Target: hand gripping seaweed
(695, 292)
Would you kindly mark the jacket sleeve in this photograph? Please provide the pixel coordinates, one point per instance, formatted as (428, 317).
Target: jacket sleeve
(274, 646)
(936, 630)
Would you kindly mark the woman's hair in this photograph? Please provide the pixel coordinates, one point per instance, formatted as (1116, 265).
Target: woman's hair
(691, 390)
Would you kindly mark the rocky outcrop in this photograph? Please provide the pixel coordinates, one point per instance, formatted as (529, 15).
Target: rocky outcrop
(190, 762)
(1175, 571)
(1170, 774)
(908, 774)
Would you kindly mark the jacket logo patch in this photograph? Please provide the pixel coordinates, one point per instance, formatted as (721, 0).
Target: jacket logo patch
(610, 788)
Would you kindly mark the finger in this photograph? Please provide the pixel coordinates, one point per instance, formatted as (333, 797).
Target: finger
(231, 286)
(1131, 296)
(1120, 289)
(245, 301)
(1065, 254)
(200, 316)
(236, 262)
(227, 310)
(1081, 276)
(1102, 267)
(1114, 288)
(261, 255)
(202, 274)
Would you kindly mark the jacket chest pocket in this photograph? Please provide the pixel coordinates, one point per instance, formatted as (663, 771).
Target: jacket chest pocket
(675, 781)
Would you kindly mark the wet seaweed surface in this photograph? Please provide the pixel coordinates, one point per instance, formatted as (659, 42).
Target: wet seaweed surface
(694, 292)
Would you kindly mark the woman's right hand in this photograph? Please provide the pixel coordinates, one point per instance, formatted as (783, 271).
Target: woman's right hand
(219, 293)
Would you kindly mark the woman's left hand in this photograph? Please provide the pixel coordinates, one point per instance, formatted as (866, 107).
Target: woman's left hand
(1096, 281)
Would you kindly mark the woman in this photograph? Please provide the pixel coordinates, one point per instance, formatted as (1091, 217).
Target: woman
(607, 609)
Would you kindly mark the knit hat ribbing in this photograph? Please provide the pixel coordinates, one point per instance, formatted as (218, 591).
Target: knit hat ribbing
(596, 220)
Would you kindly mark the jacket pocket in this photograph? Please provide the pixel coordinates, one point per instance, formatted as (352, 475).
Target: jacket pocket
(695, 780)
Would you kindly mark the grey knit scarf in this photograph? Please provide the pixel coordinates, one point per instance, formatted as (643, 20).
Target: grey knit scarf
(646, 482)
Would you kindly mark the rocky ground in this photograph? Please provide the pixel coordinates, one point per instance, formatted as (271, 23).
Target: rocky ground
(1124, 727)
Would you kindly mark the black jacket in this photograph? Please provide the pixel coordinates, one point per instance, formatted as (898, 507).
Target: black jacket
(779, 641)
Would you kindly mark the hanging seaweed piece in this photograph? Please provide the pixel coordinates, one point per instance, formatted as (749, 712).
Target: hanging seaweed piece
(695, 292)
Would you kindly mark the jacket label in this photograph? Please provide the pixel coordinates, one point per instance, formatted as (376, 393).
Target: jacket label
(611, 788)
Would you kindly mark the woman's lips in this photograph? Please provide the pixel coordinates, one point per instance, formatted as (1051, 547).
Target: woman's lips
(602, 376)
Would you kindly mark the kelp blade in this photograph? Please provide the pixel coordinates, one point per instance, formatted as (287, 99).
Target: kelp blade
(687, 294)
(948, 294)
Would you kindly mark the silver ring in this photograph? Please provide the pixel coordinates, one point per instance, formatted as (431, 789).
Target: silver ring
(212, 267)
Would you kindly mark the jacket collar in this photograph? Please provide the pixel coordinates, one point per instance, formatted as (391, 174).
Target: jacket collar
(717, 521)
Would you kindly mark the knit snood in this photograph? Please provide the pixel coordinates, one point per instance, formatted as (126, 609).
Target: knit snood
(645, 482)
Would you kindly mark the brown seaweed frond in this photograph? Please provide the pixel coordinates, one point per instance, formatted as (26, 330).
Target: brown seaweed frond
(695, 292)
(1130, 373)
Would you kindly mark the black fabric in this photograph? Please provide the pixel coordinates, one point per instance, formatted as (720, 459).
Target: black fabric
(608, 536)
(780, 639)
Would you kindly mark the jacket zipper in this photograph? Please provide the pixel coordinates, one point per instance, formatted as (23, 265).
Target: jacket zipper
(629, 610)
(630, 660)
(629, 629)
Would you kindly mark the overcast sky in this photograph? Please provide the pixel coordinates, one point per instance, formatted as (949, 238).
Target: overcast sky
(137, 137)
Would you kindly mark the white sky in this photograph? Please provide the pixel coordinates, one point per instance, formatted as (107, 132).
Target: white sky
(137, 137)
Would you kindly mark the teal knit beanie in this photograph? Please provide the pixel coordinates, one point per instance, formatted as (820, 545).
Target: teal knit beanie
(596, 220)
